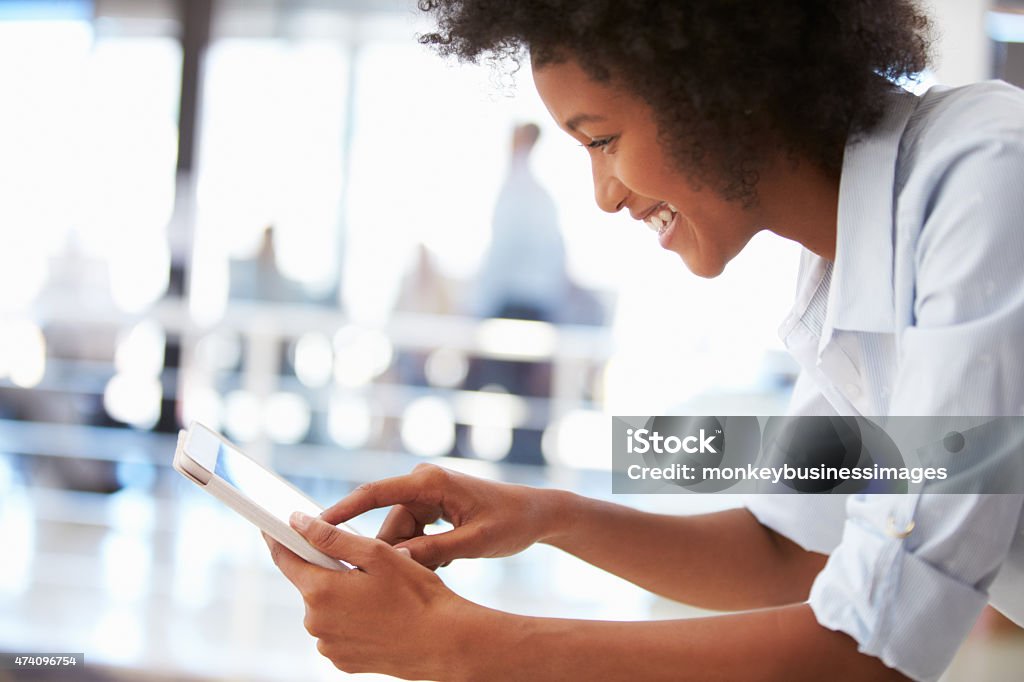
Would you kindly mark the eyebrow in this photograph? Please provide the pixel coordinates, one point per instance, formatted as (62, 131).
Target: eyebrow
(576, 120)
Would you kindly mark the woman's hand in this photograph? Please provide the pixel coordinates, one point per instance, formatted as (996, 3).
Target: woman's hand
(389, 615)
(491, 519)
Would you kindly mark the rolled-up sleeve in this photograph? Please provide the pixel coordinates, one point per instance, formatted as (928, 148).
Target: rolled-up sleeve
(910, 575)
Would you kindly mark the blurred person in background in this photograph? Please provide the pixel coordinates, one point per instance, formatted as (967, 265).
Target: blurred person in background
(424, 291)
(709, 122)
(523, 277)
(82, 278)
(259, 278)
(523, 274)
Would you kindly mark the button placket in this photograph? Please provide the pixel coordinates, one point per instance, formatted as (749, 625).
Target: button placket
(839, 370)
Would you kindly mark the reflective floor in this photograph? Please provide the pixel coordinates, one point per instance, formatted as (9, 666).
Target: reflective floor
(163, 583)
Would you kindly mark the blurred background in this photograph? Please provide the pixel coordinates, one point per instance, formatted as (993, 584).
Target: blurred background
(291, 222)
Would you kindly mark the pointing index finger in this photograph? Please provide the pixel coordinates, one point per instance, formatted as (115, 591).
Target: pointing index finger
(384, 493)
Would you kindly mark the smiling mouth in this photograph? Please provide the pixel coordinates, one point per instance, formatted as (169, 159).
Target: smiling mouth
(661, 217)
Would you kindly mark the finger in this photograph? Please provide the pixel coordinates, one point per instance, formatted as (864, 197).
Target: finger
(443, 548)
(296, 569)
(401, 524)
(366, 553)
(374, 495)
(419, 486)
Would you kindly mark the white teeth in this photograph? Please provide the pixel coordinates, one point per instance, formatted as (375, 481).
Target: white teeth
(660, 220)
(673, 208)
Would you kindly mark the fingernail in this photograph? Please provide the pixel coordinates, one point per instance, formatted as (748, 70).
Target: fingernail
(405, 551)
(300, 521)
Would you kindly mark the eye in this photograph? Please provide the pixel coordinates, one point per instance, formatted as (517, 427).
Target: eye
(600, 143)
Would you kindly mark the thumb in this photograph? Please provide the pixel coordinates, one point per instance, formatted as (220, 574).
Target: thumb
(439, 549)
(364, 552)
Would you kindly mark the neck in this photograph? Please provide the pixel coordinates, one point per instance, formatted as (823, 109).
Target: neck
(801, 202)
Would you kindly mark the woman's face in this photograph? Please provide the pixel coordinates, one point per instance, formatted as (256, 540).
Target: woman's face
(633, 171)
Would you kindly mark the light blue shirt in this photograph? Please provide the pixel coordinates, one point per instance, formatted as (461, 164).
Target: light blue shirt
(922, 313)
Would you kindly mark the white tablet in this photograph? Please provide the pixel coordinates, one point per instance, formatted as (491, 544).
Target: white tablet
(207, 459)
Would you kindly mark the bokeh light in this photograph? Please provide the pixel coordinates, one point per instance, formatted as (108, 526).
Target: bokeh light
(22, 352)
(220, 350)
(243, 416)
(349, 420)
(446, 367)
(313, 359)
(286, 417)
(140, 350)
(360, 355)
(203, 404)
(579, 439)
(133, 399)
(428, 427)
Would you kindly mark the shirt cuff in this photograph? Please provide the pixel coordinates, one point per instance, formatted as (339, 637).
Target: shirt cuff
(898, 607)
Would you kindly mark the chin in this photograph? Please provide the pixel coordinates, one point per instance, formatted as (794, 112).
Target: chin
(704, 269)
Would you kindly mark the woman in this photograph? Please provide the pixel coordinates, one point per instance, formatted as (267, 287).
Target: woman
(710, 121)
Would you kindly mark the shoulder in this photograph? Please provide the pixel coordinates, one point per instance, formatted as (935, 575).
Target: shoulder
(949, 123)
(958, 202)
(959, 139)
(947, 114)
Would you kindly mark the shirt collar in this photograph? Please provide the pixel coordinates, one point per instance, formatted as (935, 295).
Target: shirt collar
(861, 291)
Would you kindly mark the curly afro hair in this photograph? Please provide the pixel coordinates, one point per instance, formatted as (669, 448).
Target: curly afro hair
(731, 82)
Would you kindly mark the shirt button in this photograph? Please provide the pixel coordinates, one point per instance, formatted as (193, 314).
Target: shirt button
(852, 390)
(894, 531)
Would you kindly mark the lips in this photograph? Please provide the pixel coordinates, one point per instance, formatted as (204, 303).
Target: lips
(649, 212)
(660, 216)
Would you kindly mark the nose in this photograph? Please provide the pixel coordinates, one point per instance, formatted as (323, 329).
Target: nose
(609, 192)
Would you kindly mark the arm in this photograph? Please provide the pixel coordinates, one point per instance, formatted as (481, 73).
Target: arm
(720, 561)
(783, 643)
(392, 615)
(723, 561)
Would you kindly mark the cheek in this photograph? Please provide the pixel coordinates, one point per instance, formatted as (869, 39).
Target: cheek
(647, 172)
(708, 233)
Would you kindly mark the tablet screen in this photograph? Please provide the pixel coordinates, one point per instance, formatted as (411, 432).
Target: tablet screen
(261, 486)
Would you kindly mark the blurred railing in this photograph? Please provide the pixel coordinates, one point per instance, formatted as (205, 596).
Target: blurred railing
(575, 354)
